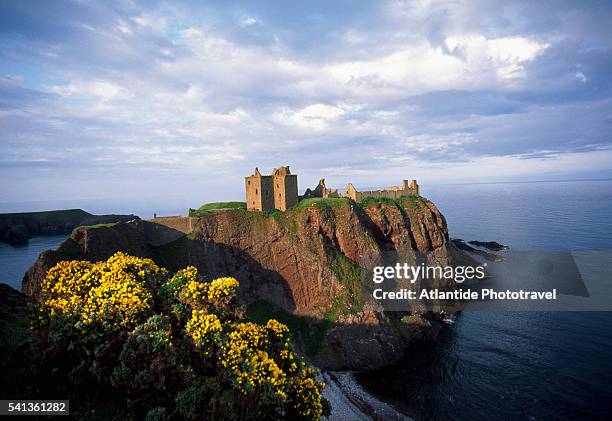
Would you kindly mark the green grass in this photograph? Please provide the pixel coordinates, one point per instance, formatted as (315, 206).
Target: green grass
(402, 201)
(411, 201)
(215, 206)
(351, 277)
(310, 332)
(333, 202)
(376, 200)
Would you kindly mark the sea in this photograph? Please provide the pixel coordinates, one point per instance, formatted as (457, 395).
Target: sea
(496, 365)
(488, 365)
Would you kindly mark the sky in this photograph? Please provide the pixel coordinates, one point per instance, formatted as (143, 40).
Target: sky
(180, 100)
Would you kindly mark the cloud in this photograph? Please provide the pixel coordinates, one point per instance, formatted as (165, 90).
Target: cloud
(106, 91)
(312, 117)
(248, 21)
(194, 90)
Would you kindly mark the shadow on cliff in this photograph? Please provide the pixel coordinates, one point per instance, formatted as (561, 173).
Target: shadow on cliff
(213, 260)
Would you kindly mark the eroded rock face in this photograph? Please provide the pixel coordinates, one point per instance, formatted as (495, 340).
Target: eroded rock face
(303, 261)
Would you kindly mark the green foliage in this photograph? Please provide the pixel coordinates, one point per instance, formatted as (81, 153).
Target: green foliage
(351, 277)
(215, 206)
(157, 414)
(147, 358)
(305, 331)
(189, 402)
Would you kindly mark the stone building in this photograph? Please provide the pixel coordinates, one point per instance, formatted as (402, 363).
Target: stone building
(393, 193)
(267, 192)
(320, 191)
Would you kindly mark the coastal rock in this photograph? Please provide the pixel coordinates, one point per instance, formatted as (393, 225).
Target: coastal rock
(309, 261)
(492, 257)
(14, 234)
(490, 245)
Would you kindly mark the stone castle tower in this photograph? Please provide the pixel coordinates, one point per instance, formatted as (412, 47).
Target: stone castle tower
(267, 192)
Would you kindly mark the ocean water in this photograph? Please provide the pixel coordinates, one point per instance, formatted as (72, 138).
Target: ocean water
(16, 260)
(489, 365)
(514, 365)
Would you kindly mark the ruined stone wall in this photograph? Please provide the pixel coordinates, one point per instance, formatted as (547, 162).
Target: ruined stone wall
(357, 196)
(183, 224)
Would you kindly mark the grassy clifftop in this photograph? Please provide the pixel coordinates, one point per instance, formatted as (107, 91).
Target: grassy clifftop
(216, 206)
(320, 202)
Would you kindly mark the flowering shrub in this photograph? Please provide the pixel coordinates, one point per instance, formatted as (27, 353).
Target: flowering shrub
(173, 286)
(114, 294)
(217, 293)
(195, 294)
(176, 345)
(221, 291)
(204, 329)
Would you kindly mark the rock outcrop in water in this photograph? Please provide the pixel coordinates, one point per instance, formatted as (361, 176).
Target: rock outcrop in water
(307, 263)
(17, 228)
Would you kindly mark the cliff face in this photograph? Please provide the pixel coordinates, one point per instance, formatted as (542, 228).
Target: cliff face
(308, 261)
(16, 228)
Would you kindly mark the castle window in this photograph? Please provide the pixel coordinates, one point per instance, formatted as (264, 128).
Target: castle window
(256, 191)
(249, 182)
(267, 192)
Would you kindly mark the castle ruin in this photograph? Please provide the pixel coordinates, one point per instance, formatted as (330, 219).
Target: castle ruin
(280, 190)
(393, 193)
(320, 191)
(267, 192)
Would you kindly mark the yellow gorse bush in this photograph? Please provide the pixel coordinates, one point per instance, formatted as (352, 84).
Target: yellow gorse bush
(113, 293)
(203, 329)
(216, 293)
(222, 289)
(255, 360)
(259, 358)
(195, 292)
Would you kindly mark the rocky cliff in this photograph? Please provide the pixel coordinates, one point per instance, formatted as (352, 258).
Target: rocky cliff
(16, 228)
(307, 263)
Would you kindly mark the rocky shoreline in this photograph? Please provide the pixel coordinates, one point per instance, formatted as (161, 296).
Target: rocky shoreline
(350, 401)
